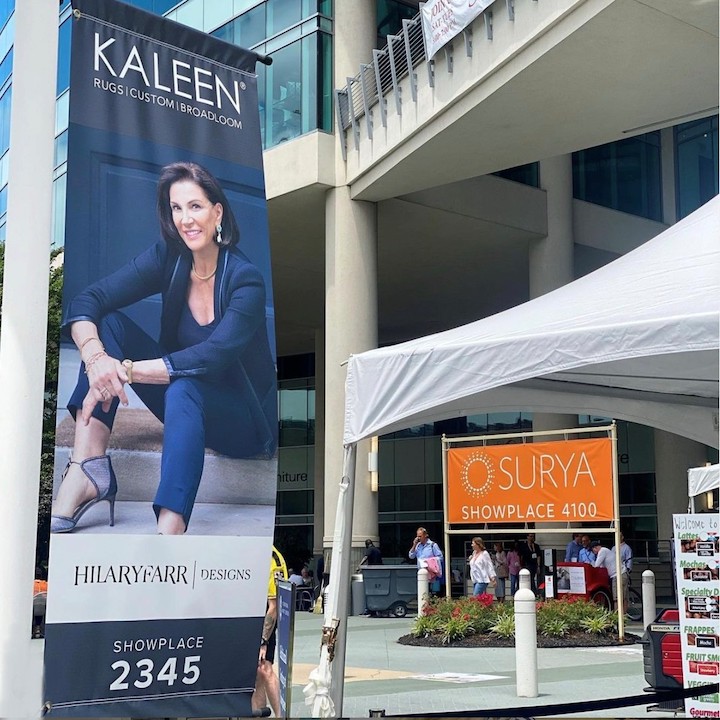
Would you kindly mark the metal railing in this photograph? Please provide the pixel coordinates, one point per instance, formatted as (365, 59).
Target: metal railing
(398, 60)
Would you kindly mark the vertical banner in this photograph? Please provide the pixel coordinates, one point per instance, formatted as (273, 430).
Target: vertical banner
(166, 457)
(286, 599)
(697, 563)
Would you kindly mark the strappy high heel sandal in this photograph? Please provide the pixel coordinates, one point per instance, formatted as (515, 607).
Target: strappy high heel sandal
(99, 471)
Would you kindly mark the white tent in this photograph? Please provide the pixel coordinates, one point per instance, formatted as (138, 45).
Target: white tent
(703, 479)
(637, 340)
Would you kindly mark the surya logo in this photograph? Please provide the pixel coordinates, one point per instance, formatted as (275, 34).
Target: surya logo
(477, 474)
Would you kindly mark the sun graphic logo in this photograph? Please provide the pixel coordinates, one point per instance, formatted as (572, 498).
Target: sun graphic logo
(477, 474)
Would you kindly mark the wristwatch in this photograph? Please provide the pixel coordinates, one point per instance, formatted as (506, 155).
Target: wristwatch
(263, 641)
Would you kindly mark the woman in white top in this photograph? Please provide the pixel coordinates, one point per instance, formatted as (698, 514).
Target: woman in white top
(482, 571)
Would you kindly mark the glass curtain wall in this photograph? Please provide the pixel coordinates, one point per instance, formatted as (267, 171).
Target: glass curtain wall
(696, 164)
(7, 8)
(623, 175)
(295, 92)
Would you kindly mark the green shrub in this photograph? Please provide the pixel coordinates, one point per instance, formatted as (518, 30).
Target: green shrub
(600, 623)
(453, 619)
(554, 627)
(505, 626)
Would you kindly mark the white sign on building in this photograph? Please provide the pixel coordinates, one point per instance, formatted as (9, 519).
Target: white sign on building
(442, 20)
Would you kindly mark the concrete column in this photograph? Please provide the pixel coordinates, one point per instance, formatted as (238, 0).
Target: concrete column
(350, 286)
(22, 346)
(551, 267)
(319, 477)
(673, 456)
(667, 158)
(351, 327)
(355, 29)
(551, 259)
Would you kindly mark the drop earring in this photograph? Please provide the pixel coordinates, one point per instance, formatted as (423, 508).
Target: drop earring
(218, 230)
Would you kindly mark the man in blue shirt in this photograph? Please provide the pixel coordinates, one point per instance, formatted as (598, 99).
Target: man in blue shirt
(572, 551)
(423, 547)
(625, 554)
(586, 555)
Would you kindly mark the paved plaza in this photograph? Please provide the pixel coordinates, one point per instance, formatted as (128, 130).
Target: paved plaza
(381, 674)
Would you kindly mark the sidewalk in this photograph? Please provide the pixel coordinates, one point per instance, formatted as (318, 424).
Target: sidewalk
(381, 674)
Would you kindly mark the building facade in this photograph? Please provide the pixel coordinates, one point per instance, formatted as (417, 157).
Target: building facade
(438, 204)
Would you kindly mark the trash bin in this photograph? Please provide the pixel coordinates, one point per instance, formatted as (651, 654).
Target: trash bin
(390, 589)
(358, 595)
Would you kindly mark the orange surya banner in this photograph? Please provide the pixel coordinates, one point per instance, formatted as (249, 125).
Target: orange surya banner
(561, 481)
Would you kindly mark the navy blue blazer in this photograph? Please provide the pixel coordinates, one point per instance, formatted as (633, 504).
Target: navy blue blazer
(236, 352)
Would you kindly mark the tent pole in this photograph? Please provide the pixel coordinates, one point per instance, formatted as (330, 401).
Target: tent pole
(616, 512)
(340, 572)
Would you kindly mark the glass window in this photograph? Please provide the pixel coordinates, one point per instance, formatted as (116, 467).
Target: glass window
(310, 84)
(6, 9)
(295, 502)
(191, 14)
(6, 67)
(58, 211)
(5, 119)
(62, 112)
(250, 27)
(63, 69)
(324, 80)
(696, 164)
(525, 174)
(293, 417)
(284, 96)
(216, 13)
(390, 14)
(281, 15)
(61, 149)
(310, 7)
(624, 175)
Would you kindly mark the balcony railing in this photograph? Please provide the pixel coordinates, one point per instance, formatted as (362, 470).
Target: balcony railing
(398, 60)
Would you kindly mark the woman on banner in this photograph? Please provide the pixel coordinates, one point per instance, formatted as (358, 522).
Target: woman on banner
(209, 377)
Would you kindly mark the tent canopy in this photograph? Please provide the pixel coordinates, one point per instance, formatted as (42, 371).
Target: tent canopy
(637, 339)
(702, 479)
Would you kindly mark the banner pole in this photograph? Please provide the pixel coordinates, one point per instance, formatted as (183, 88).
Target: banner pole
(22, 346)
(616, 513)
(446, 525)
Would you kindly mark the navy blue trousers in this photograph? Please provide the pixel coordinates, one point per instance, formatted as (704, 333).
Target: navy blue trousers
(196, 413)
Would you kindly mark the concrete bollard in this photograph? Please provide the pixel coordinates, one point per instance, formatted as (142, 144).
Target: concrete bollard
(648, 597)
(423, 590)
(524, 580)
(525, 639)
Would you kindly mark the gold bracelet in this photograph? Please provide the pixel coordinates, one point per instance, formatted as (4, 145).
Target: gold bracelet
(128, 365)
(93, 359)
(87, 340)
